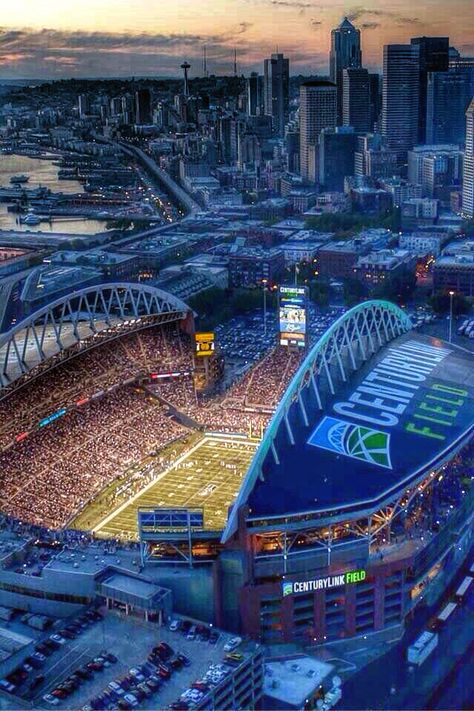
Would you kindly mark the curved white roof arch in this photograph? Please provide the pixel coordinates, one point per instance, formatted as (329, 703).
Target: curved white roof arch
(78, 316)
(342, 349)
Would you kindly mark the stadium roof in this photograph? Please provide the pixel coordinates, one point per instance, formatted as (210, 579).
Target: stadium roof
(81, 315)
(398, 414)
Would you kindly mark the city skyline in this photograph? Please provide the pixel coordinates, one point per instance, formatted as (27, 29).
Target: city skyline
(131, 38)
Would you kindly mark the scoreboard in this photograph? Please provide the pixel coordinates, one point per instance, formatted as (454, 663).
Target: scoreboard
(293, 315)
(205, 344)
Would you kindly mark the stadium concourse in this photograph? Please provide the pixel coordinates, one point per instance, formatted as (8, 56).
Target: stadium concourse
(97, 422)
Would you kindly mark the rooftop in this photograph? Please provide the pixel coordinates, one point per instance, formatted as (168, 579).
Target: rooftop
(292, 681)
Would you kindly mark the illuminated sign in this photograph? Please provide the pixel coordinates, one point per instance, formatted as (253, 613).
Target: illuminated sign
(331, 581)
(292, 315)
(205, 344)
(52, 418)
(399, 388)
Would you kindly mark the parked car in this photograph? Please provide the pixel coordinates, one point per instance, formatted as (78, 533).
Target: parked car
(232, 644)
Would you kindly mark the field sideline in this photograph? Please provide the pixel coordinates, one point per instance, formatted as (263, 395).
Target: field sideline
(208, 475)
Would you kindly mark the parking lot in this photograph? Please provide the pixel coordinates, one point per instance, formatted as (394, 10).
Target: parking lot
(128, 641)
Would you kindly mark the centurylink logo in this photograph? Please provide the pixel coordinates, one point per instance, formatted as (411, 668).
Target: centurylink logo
(362, 443)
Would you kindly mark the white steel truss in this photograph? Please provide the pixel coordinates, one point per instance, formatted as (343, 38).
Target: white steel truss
(74, 318)
(343, 349)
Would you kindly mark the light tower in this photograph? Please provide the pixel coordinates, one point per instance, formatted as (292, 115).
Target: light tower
(185, 66)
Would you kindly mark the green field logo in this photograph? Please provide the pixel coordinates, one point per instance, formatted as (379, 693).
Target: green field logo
(287, 589)
(355, 441)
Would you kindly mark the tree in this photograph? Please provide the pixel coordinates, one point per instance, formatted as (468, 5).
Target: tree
(354, 291)
(399, 287)
(319, 292)
(440, 303)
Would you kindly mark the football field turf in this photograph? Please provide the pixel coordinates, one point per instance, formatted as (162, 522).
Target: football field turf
(208, 476)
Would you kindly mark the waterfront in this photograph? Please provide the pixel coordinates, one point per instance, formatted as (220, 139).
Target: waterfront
(42, 172)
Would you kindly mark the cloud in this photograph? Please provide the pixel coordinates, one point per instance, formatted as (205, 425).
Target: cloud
(316, 23)
(27, 52)
(369, 25)
(360, 13)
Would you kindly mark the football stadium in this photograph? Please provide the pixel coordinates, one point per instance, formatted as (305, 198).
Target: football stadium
(324, 495)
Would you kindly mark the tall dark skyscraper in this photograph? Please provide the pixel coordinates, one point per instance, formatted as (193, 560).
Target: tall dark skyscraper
(433, 57)
(276, 91)
(356, 99)
(375, 100)
(143, 106)
(254, 94)
(447, 99)
(400, 97)
(345, 53)
(336, 157)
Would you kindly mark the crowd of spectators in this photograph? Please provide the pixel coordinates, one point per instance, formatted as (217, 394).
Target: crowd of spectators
(155, 349)
(59, 468)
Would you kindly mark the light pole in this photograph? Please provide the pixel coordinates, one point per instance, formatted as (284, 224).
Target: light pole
(451, 294)
(264, 286)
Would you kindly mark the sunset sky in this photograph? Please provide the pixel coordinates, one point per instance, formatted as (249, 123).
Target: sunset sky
(90, 38)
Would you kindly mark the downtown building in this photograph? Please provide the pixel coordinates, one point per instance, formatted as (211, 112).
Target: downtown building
(468, 172)
(276, 91)
(345, 53)
(318, 111)
(400, 97)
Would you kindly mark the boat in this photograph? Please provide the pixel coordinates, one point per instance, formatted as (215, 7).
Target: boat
(18, 179)
(30, 219)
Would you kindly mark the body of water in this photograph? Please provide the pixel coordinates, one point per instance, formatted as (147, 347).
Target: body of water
(42, 172)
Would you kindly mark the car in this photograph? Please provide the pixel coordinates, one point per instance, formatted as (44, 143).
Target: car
(95, 666)
(59, 693)
(37, 681)
(232, 644)
(145, 689)
(131, 699)
(35, 663)
(185, 626)
(27, 667)
(183, 658)
(110, 657)
(102, 660)
(57, 638)
(137, 674)
(191, 633)
(174, 626)
(164, 671)
(50, 699)
(236, 656)
(176, 664)
(115, 686)
(125, 683)
(153, 683)
(7, 686)
(84, 673)
(200, 685)
(213, 637)
(68, 634)
(41, 652)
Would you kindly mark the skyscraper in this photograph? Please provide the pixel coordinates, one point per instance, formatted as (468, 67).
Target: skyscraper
(143, 106)
(400, 97)
(345, 53)
(433, 57)
(276, 91)
(336, 157)
(356, 99)
(468, 167)
(318, 110)
(254, 94)
(447, 99)
(375, 101)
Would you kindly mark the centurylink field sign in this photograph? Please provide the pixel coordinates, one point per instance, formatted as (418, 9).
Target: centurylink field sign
(330, 581)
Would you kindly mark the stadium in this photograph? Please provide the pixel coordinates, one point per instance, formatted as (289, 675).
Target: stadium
(323, 496)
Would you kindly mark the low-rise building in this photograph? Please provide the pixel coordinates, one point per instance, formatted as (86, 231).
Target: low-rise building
(375, 268)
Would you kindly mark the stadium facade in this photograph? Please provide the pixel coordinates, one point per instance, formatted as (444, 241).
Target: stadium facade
(356, 508)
